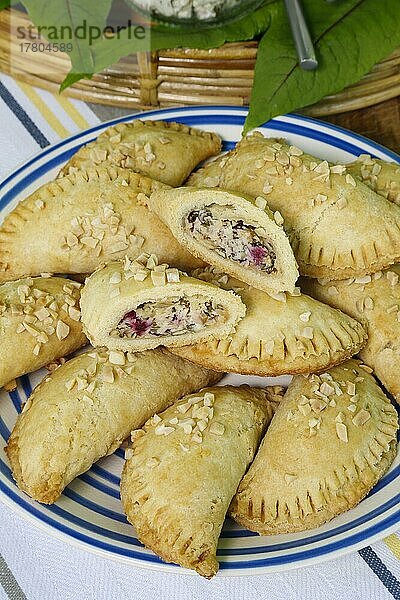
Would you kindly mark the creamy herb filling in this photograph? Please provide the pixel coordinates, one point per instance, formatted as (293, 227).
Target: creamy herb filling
(187, 9)
(157, 319)
(231, 238)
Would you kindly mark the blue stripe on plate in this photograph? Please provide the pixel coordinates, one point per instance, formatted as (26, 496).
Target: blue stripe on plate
(379, 568)
(106, 489)
(287, 558)
(75, 497)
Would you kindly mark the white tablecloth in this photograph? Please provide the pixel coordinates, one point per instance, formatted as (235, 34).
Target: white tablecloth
(36, 566)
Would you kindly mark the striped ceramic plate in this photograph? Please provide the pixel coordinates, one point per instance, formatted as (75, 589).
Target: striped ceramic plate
(89, 513)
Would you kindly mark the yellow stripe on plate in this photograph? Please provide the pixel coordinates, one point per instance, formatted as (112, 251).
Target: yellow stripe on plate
(73, 112)
(393, 543)
(47, 113)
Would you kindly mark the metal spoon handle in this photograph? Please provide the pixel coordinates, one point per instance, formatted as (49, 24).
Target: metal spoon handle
(301, 35)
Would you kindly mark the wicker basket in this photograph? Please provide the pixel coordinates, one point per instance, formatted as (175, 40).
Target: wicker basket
(175, 77)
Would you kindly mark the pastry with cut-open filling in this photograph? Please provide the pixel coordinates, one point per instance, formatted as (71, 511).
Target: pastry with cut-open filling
(130, 305)
(374, 300)
(87, 407)
(150, 148)
(236, 234)
(82, 220)
(39, 323)
(331, 217)
(185, 466)
(285, 334)
(331, 439)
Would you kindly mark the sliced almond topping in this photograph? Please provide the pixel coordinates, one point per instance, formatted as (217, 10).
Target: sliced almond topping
(366, 368)
(289, 478)
(36, 349)
(158, 278)
(305, 409)
(308, 332)
(327, 389)
(341, 203)
(351, 181)
(332, 290)
(363, 280)
(172, 275)
(278, 218)
(392, 277)
(361, 417)
(313, 422)
(341, 431)
(267, 189)
(115, 278)
(318, 405)
(305, 317)
(211, 182)
(116, 357)
(217, 428)
(62, 330)
(209, 398)
(278, 296)
(74, 313)
(339, 417)
(352, 407)
(351, 388)
(260, 202)
(369, 303)
(332, 402)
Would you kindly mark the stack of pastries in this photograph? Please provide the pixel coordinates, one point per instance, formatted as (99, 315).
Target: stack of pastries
(182, 285)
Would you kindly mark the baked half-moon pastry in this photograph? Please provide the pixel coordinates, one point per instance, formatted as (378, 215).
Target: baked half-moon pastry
(234, 233)
(381, 176)
(374, 301)
(164, 151)
(76, 223)
(331, 217)
(332, 438)
(86, 408)
(279, 335)
(133, 306)
(39, 322)
(184, 468)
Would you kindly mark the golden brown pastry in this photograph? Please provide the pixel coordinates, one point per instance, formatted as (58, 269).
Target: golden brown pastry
(164, 151)
(132, 306)
(86, 408)
(374, 301)
(236, 234)
(331, 218)
(278, 335)
(332, 438)
(39, 322)
(76, 223)
(185, 467)
(381, 176)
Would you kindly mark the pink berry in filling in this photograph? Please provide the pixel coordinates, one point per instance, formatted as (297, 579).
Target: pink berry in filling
(257, 254)
(138, 325)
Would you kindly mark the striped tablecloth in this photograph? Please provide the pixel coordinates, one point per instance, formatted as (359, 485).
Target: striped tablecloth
(36, 566)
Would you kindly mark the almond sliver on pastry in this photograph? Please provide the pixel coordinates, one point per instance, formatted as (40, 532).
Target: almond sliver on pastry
(164, 151)
(39, 323)
(234, 233)
(381, 176)
(338, 227)
(185, 466)
(332, 438)
(374, 301)
(140, 305)
(82, 220)
(86, 408)
(283, 334)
